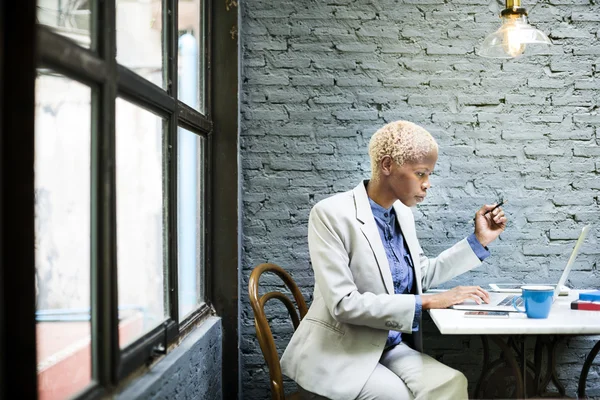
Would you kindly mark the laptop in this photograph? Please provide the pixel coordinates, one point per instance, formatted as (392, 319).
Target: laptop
(503, 301)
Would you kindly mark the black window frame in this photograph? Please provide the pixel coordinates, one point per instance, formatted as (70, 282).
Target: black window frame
(18, 368)
(98, 68)
(37, 46)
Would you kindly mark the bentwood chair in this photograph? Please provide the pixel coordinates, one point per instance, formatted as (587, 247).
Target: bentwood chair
(263, 330)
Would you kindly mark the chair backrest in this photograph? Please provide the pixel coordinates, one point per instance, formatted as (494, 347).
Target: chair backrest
(263, 330)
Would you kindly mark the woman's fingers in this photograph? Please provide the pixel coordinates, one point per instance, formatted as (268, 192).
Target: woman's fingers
(498, 216)
(476, 298)
(485, 296)
(475, 292)
(482, 294)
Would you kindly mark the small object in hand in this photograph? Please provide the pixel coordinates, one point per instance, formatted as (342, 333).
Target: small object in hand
(497, 205)
(487, 314)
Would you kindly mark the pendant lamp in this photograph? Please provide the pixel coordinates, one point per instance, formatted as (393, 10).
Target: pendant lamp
(515, 37)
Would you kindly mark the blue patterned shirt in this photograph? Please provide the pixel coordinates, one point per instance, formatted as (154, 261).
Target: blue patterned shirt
(401, 264)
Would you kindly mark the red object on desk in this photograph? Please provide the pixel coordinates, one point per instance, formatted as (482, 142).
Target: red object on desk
(585, 305)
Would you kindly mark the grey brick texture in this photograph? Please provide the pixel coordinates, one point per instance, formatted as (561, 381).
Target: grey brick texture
(319, 77)
(191, 371)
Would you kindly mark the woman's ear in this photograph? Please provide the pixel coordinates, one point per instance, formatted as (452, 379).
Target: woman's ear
(386, 165)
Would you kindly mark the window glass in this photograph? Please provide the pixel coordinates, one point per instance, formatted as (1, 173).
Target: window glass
(70, 18)
(140, 220)
(139, 38)
(190, 220)
(191, 63)
(62, 235)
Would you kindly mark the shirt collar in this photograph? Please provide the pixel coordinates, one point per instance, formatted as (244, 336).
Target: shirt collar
(381, 213)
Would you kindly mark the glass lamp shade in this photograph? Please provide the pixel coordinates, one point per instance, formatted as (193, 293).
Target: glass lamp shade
(514, 38)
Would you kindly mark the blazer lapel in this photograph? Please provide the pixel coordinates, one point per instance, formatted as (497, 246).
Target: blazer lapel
(410, 236)
(369, 229)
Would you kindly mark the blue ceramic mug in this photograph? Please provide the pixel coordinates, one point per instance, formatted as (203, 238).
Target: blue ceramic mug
(537, 301)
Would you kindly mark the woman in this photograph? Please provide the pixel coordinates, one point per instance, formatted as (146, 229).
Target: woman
(370, 272)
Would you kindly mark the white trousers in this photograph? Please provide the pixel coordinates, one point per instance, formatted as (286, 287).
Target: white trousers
(404, 373)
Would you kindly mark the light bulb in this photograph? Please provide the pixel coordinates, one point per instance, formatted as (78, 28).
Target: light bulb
(513, 43)
(515, 37)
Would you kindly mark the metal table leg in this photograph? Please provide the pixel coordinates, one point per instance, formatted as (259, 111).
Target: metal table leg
(507, 357)
(549, 344)
(586, 369)
(513, 350)
(485, 367)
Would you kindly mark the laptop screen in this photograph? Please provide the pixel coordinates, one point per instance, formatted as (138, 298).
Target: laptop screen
(565, 274)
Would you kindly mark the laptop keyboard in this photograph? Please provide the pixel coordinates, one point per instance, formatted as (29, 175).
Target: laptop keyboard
(508, 301)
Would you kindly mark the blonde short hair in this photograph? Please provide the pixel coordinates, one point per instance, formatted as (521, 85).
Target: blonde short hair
(403, 141)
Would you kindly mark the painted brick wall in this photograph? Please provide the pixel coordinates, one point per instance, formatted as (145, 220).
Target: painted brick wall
(190, 371)
(319, 77)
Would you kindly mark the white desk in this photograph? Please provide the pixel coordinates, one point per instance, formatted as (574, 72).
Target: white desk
(561, 321)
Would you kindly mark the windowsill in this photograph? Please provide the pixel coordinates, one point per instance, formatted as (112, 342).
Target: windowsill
(188, 362)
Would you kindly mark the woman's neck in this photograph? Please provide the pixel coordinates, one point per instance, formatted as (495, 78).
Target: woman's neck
(376, 192)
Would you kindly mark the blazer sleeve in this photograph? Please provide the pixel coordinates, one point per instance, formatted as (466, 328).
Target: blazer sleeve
(448, 264)
(333, 277)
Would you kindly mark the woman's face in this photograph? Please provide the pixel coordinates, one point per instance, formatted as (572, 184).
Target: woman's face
(409, 182)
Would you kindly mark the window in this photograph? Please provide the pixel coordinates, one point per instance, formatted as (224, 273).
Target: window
(122, 133)
(70, 18)
(139, 38)
(192, 47)
(190, 214)
(62, 231)
(140, 221)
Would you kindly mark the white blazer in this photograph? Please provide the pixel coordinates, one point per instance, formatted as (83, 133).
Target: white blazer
(340, 340)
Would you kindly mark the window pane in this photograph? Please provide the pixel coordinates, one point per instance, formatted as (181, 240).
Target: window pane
(62, 229)
(190, 220)
(191, 53)
(70, 18)
(140, 222)
(139, 38)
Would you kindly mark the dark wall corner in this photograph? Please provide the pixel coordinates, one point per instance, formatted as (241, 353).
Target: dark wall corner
(225, 243)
